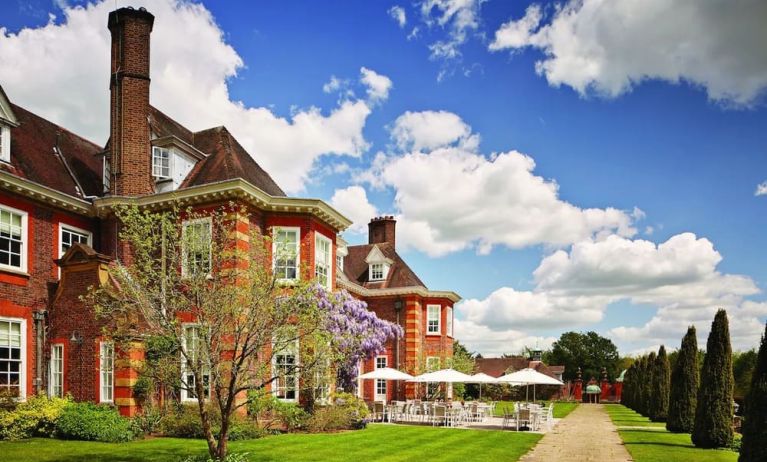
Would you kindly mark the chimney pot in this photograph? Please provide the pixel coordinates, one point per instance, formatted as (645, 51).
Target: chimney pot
(382, 230)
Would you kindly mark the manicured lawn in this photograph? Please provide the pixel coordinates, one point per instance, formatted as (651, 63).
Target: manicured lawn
(377, 442)
(561, 409)
(625, 417)
(655, 444)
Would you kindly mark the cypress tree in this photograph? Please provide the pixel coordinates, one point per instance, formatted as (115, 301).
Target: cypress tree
(684, 386)
(660, 387)
(754, 445)
(713, 415)
(648, 380)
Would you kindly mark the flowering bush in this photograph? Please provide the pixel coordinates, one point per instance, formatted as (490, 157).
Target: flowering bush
(357, 332)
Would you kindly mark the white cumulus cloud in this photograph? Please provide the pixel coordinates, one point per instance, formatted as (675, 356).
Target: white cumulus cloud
(451, 197)
(354, 204)
(609, 47)
(761, 189)
(378, 85)
(61, 71)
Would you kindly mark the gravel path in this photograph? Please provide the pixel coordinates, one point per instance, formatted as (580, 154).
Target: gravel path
(586, 434)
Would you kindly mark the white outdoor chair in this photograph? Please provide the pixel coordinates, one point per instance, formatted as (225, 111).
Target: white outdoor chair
(439, 415)
(524, 416)
(508, 416)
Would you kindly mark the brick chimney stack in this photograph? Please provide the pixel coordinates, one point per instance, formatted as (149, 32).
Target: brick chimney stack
(381, 230)
(131, 159)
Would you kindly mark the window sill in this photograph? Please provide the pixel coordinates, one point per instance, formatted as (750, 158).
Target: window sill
(434, 334)
(14, 271)
(14, 276)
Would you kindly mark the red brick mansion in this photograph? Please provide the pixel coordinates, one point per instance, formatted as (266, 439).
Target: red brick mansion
(58, 235)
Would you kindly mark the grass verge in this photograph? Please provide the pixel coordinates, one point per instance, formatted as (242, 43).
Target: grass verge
(655, 444)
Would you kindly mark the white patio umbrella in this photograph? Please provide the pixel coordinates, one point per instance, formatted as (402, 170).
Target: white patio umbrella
(527, 377)
(443, 375)
(481, 378)
(386, 373)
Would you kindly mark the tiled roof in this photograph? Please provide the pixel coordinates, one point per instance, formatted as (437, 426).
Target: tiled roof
(400, 274)
(501, 366)
(33, 156)
(162, 125)
(227, 160)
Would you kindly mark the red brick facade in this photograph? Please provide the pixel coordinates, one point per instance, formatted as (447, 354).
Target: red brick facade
(45, 296)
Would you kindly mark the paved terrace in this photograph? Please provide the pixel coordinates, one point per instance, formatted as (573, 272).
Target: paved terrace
(586, 434)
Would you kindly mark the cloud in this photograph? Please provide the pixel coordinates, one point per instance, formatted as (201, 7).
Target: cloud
(354, 204)
(429, 130)
(458, 17)
(189, 57)
(761, 189)
(450, 197)
(491, 343)
(679, 277)
(607, 48)
(378, 85)
(398, 14)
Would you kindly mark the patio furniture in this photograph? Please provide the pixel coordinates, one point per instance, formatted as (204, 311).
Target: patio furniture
(508, 416)
(524, 416)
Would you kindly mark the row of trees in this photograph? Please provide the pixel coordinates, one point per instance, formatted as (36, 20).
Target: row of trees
(700, 400)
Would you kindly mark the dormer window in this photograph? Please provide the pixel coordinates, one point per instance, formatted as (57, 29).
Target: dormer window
(160, 163)
(5, 143)
(377, 272)
(378, 265)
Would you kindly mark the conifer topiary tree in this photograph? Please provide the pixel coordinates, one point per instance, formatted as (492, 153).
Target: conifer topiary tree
(684, 386)
(660, 387)
(713, 415)
(648, 378)
(754, 444)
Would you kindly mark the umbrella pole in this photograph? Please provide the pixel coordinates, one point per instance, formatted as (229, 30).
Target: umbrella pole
(527, 391)
(533, 392)
(480, 390)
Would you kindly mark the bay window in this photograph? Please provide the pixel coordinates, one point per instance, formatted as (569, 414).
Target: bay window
(285, 371)
(196, 247)
(449, 321)
(433, 319)
(322, 261)
(192, 352)
(285, 253)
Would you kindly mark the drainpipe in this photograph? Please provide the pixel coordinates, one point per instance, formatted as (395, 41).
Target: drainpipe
(39, 319)
(398, 310)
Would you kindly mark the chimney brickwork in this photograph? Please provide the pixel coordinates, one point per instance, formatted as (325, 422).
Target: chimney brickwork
(129, 102)
(381, 230)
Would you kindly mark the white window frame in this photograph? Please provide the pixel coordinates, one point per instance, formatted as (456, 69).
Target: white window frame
(429, 318)
(56, 372)
(184, 261)
(383, 273)
(381, 362)
(158, 154)
(297, 377)
(449, 321)
(106, 352)
(22, 355)
(328, 263)
(186, 394)
(275, 232)
(5, 143)
(106, 173)
(339, 262)
(24, 240)
(75, 230)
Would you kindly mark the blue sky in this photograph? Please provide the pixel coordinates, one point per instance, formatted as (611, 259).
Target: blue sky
(616, 125)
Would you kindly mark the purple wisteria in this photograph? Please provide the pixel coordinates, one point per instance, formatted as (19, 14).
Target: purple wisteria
(357, 332)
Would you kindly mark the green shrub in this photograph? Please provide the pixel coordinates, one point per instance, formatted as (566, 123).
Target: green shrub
(264, 405)
(347, 412)
(36, 416)
(92, 422)
(185, 423)
(147, 421)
